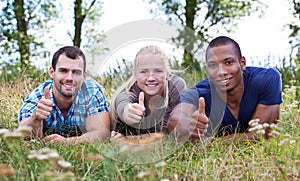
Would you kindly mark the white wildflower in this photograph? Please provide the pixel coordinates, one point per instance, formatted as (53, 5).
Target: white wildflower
(32, 156)
(259, 127)
(274, 134)
(266, 125)
(283, 142)
(26, 130)
(261, 131)
(141, 175)
(53, 154)
(252, 129)
(13, 135)
(273, 126)
(253, 122)
(288, 135)
(292, 141)
(64, 164)
(160, 164)
(3, 131)
(44, 150)
(42, 157)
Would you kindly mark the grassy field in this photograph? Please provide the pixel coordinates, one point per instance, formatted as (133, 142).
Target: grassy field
(275, 159)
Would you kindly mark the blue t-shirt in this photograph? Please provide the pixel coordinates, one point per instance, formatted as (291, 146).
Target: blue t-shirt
(90, 100)
(261, 86)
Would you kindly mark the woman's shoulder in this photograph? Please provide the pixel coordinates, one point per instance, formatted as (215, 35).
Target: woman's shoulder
(177, 82)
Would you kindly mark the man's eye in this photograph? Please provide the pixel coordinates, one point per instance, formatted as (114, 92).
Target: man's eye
(78, 72)
(211, 65)
(229, 62)
(63, 70)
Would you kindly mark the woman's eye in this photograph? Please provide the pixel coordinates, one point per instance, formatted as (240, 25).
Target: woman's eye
(158, 71)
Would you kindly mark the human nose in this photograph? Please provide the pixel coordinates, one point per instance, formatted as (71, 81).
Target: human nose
(222, 69)
(69, 75)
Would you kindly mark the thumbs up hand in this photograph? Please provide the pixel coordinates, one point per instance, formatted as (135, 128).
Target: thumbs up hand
(44, 106)
(134, 113)
(199, 121)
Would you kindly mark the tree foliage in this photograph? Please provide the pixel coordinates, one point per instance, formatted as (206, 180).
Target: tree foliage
(27, 30)
(202, 18)
(294, 26)
(23, 23)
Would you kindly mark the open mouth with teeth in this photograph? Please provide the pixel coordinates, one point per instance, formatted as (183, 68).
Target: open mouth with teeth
(69, 87)
(151, 85)
(224, 82)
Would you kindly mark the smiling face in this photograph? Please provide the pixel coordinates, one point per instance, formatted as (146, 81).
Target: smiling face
(225, 68)
(150, 74)
(68, 76)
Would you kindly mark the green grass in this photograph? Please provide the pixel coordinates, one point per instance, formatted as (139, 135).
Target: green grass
(275, 159)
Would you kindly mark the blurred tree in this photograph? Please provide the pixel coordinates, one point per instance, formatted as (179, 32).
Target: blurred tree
(200, 18)
(81, 11)
(22, 24)
(87, 14)
(294, 26)
(27, 31)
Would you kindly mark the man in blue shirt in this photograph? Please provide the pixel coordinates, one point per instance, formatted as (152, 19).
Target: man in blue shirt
(70, 108)
(233, 95)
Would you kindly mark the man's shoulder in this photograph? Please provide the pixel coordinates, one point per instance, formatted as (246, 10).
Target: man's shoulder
(202, 87)
(91, 83)
(259, 77)
(260, 72)
(90, 86)
(203, 84)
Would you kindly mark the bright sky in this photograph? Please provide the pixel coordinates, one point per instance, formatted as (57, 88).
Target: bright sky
(258, 38)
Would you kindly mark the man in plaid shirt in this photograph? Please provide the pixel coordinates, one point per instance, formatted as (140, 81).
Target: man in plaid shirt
(70, 108)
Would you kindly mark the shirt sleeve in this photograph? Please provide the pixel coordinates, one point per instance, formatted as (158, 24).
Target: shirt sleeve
(30, 103)
(121, 101)
(98, 103)
(179, 83)
(190, 96)
(271, 92)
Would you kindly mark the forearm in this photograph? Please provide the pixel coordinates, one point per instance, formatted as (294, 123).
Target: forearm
(179, 125)
(89, 137)
(36, 125)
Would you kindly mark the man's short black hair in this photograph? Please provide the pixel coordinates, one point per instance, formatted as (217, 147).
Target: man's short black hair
(72, 52)
(224, 40)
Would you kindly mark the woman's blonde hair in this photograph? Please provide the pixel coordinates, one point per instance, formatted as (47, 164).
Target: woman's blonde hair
(155, 50)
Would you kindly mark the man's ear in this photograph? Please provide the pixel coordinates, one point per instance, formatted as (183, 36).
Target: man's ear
(243, 63)
(51, 72)
(84, 75)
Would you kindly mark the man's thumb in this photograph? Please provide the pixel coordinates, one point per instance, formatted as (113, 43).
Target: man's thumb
(47, 93)
(201, 105)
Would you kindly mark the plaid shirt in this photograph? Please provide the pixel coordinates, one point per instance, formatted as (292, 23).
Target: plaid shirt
(90, 100)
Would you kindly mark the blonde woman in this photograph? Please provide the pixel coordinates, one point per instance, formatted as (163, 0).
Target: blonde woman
(143, 104)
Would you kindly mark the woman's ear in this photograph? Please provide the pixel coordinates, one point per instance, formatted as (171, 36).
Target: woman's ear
(134, 75)
(168, 76)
